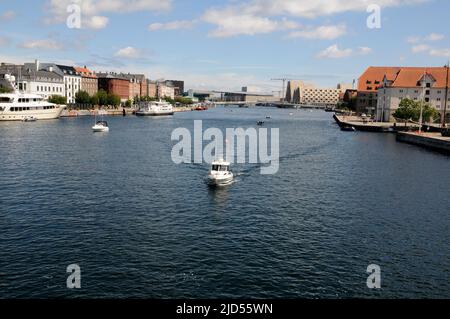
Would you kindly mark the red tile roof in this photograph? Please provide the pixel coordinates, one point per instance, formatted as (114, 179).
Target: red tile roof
(85, 72)
(410, 77)
(373, 78)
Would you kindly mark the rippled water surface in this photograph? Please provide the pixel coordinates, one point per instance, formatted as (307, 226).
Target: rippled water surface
(141, 226)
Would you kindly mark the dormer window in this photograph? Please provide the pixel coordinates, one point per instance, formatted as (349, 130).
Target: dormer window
(428, 85)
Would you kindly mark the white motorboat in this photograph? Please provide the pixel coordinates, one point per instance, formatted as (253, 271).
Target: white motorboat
(22, 107)
(220, 173)
(160, 108)
(101, 126)
(29, 119)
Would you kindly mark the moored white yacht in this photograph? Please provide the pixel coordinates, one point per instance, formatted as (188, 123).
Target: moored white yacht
(101, 126)
(155, 109)
(220, 173)
(20, 107)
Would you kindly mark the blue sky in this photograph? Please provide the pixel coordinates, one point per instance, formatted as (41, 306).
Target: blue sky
(228, 44)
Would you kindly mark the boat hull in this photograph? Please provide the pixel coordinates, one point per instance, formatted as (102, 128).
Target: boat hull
(220, 181)
(154, 113)
(51, 114)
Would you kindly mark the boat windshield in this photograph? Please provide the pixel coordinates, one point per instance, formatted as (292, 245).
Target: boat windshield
(104, 123)
(220, 168)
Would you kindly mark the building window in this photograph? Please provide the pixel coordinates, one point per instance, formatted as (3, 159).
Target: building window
(427, 99)
(427, 92)
(428, 85)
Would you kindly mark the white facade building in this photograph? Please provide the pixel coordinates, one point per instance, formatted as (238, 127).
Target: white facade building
(165, 91)
(300, 93)
(31, 79)
(418, 84)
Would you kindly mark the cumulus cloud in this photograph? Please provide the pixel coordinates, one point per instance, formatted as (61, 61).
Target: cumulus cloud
(173, 25)
(328, 32)
(131, 53)
(43, 44)
(334, 52)
(231, 23)
(259, 16)
(93, 12)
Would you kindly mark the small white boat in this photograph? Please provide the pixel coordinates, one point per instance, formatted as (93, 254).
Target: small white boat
(29, 119)
(101, 126)
(220, 173)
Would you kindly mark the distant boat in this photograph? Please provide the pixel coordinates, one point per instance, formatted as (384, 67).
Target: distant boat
(220, 173)
(260, 123)
(268, 117)
(155, 109)
(101, 126)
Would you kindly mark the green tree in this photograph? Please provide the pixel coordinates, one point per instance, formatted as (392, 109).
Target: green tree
(82, 97)
(184, 100)
(102, 97)
(410, 110)
(57, 99)
(94, 100)
(129, 103)
(113, 100)
(5, 90)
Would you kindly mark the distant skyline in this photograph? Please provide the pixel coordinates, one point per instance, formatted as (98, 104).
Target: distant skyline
(228, 44)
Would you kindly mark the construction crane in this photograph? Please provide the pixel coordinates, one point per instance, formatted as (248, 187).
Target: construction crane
(283, 91)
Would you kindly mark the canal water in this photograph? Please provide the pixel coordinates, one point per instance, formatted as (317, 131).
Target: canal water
(140, 226)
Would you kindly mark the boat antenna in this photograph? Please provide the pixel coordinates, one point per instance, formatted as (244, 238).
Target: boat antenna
(444, 116)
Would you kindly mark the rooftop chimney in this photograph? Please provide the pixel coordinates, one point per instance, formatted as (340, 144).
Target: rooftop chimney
(37, 64)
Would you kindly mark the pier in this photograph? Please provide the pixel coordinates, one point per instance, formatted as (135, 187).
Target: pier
(365, 125)
(432, 141)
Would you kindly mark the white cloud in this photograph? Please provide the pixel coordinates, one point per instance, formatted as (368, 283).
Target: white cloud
(440, 53)
(329, 32)
(434, 37)
(230, 23)
(130, 53)
(95, 22)
(257, 16)
(334, 52)
(4, 41)
(364, 50)
(43, 44)
(7, 15)
(420, 48)
(174, 25)
(93, 11)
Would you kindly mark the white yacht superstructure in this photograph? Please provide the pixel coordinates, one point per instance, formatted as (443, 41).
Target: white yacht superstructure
(155, 109)
(19, 107)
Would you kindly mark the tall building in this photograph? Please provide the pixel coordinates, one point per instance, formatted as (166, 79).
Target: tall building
(152, 88)
(416, 83)
(368, 84)
(32, 78)
(89, 81)
(177, 85)
(114, 83)
(138, 84)
(299, 92)
(72, 80)
(164, 90)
